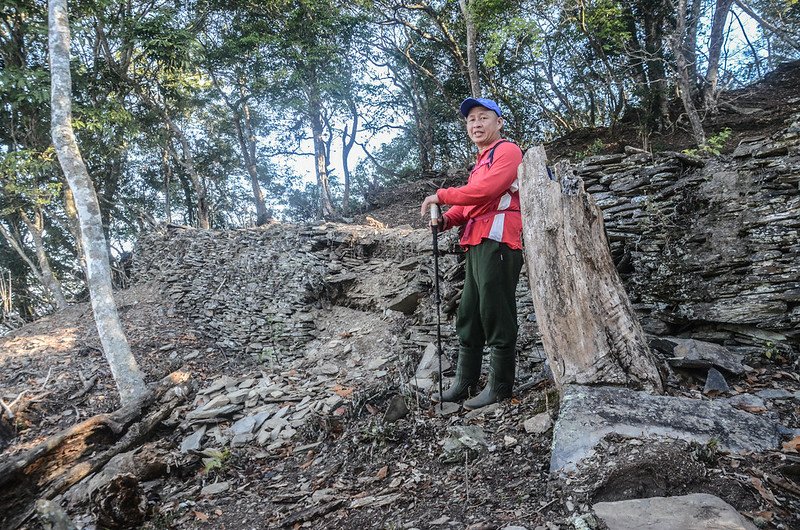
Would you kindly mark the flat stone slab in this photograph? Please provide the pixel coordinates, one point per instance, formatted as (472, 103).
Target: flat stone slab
(698, 511)
(691, 353)
(590, 413)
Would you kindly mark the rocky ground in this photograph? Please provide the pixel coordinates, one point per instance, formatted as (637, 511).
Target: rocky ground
(338, 436)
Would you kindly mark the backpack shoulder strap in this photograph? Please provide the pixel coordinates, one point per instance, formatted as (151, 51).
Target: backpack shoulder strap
(491, 151)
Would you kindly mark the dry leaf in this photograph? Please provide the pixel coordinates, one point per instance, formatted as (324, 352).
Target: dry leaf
(792, 446)
(200, 516)
(342, 391)
(382, 472)
(218, 511)
(766, 493)
(372, 409)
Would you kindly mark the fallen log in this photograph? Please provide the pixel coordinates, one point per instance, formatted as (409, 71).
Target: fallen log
(589, 331)
(78, 451)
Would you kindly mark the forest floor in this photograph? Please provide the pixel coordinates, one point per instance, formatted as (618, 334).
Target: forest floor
(355, 469)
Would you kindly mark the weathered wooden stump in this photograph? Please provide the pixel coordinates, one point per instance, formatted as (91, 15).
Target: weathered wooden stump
(64, 459)
(590, 333)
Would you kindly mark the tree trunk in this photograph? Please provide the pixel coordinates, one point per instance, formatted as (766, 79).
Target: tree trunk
(691, 39)
(247, 143)
(18, 248)
(472, 56)
(682, 73)
(653, 23)
(589, 330)
(348, 140)
(203, 218)
(52, 284)
(167, 169)
(124, 368)
(321, 166)
(787, 36)
(715, 42)
(73, 226)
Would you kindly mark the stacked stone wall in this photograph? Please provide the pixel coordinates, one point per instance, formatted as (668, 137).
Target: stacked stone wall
(708, 240)
(707, 246)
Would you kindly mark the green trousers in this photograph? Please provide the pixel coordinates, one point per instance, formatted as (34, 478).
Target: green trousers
(487, 314)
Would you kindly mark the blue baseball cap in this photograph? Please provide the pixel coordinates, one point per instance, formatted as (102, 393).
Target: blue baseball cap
(469, 103)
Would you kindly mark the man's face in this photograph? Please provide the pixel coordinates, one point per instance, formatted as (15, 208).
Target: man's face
(483, 126)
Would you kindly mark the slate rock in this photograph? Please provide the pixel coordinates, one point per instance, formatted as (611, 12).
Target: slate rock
(242, 439)
(590, 413)
(249, 423)
(407, 301)
(747, 401)
(698, 511)
(463, 440)
(691, 353)
(193, 441)
(396, 410)
(217, 487)
(775, 393)
(538, 424)
(483, 411)
(715, 383)
(326, 369)
(429, 364)
(446, 408)
(204, 414)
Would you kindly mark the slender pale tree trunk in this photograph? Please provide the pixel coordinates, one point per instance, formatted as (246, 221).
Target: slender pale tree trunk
(348, 141)
(18, 248)
(682, 74)
(321, 162)
(166, 168)
(247, 144)
(36, 229)
(589, 330)
(124, 368)
(785, 35)
(187, 161)
(472, 55)
(715, 42)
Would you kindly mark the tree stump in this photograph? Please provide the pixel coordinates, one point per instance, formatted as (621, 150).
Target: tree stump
(589, 331)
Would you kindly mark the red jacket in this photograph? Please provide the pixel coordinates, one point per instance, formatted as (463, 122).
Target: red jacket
(489, 203)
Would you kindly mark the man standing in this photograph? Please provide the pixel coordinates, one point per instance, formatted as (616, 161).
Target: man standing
(488, 209)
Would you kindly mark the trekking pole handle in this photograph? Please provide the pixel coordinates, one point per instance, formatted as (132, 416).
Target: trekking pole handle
(435, 215)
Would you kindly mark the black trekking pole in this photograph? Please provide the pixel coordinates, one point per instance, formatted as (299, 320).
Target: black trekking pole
(435, 231)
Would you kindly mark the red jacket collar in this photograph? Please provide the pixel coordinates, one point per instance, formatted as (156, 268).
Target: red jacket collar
(489, 147)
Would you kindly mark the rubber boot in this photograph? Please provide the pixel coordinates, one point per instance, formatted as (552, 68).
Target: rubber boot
(468, 370)
(500, 382)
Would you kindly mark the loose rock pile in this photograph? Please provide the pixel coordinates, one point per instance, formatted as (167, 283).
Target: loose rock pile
(267, 411)
(262, 291)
